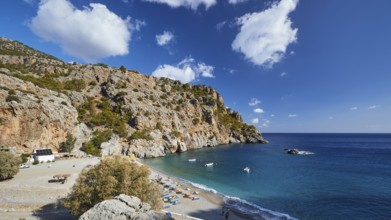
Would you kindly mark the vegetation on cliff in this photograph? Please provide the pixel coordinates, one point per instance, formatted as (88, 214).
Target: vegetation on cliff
(121, 177)
(151, 116)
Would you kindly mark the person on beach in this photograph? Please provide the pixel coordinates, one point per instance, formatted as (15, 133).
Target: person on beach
(226, 214)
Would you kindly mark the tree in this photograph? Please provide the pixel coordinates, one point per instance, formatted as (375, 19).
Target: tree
(113, 176)
(9, 165)
(69, 144)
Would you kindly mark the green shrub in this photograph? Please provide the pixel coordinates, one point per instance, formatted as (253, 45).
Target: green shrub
(111, 177)
(11, 98)
(141, 134)
(11, 92)
(9, 165)
(64, 103)
(122, 69)
(176, 134)
(75, 85)
(35, 162)
(68, 144)
(93, 146)
(24, 157)
(196, 121)
(159, 126)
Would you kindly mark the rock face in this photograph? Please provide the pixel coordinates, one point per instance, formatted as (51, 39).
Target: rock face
(123, 207)
(38, 118)
(42, 99)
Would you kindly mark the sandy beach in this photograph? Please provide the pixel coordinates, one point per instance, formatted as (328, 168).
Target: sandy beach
(30, 195)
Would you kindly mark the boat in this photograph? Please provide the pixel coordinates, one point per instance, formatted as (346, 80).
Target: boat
(192, 160)
(209, 164)
(246, 169)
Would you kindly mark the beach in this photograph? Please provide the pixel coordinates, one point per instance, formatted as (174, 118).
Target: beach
(209, 205)
(30, 194)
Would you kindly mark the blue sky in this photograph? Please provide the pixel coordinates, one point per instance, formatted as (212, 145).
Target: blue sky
(285, 65)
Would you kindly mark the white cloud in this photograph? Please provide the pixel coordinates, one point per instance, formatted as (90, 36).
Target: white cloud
(292, 115)
(255, 121)
(264, 36)
(283, 74)
(258, 110)
(89, 34)
(353, 108)
(205, 70)
(220, 25)
(265, 125)
(254, 102)
(185, 71)
(234, 2)
(292, 52)
(373, 107)
(165, 38)
(193, 4)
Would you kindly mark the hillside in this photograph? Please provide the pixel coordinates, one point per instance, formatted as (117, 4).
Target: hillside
(108, 110)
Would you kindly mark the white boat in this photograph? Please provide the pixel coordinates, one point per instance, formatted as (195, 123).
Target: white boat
(246, 169)
(209, 164)
(192, 160)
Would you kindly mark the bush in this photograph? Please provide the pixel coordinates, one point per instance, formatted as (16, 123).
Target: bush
(24, 157)
(141, 134)
(75, 85)
(93, 146)
(11, 98)
(176, 134)
(9, 165)
(36, 162)
(113, 176)
(159, 126)
(11, 92)
(69, 144)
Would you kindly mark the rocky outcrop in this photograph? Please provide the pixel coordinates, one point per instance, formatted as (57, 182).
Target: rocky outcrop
(35, 117)
(123, 207)
(149, 117)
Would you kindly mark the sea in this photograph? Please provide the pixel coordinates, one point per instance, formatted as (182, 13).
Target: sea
(348, 176)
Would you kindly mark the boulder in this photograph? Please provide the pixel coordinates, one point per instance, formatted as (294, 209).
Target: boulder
(123, 207)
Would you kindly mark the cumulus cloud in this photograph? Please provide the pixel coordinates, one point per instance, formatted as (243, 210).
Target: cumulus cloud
(258, 110)
(353, 108)
(264, 36)
(254, 102)
(292, 115)
(185, 71)
(165, 38)
(193, 4)
(255, 121)
(373, 107)
(89, 34)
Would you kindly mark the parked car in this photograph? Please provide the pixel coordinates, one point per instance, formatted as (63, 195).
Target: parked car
(22, 166)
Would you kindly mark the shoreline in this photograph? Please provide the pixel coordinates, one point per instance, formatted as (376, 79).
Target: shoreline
(212, 202)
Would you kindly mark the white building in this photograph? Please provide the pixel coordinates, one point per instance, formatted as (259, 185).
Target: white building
(43, 155)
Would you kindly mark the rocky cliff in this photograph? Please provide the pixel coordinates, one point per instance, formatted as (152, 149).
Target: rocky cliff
(109, 110)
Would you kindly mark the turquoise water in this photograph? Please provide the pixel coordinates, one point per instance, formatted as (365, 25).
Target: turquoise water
(348, 177)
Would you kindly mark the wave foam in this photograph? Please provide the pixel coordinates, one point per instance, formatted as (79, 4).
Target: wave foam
(255, 211)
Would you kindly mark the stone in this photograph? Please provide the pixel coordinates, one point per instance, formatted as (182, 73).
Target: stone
(123, 207)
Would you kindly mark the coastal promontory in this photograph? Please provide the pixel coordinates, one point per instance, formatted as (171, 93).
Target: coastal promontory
(107, 110)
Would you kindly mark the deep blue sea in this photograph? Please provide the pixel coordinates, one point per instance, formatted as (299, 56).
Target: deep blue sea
(348, 177)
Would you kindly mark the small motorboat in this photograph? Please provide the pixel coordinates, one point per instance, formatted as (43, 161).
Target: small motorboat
(209, 164)
(192, 160)
(246, 169)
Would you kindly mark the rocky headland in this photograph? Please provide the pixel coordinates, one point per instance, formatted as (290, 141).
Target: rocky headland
(107, 110)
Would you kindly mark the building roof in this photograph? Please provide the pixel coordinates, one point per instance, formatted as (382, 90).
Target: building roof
(43, 152)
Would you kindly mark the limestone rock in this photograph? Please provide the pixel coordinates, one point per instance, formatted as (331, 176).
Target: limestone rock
(123, 207)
